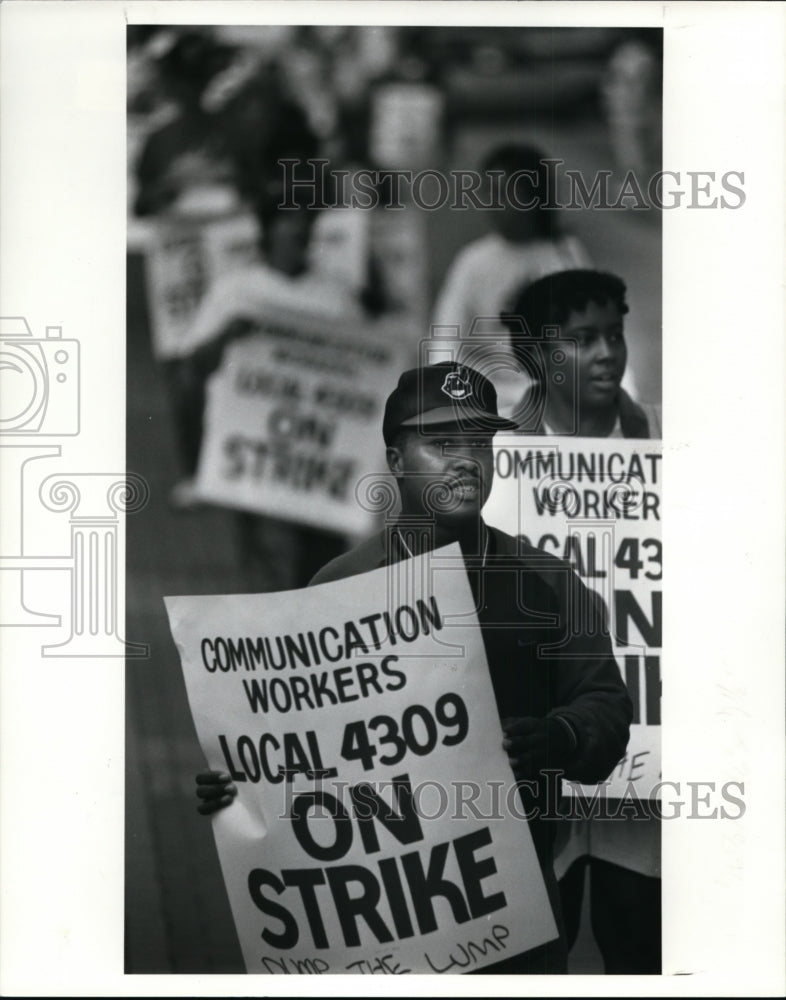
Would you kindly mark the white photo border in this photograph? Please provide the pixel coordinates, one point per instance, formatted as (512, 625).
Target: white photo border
(62, 190)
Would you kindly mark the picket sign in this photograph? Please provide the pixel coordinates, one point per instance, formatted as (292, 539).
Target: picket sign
(596, 502)
(185, 257)
(293, 421)
(352, 717)
(187, 254)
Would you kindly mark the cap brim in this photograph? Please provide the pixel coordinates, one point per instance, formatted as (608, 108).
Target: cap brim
(465, 419)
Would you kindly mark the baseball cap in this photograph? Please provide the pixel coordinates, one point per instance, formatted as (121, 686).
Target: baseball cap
(446, 393)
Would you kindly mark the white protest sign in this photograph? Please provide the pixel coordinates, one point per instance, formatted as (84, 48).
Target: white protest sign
(596, 504)
(349, 720)
(185, 257)
(293, 420)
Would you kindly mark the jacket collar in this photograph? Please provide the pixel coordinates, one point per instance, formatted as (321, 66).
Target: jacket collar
(499, 544)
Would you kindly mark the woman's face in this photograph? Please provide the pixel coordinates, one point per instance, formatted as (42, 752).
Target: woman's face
(588, 361)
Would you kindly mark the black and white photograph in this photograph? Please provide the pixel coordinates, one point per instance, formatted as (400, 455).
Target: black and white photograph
(387, 286)
(393, 351)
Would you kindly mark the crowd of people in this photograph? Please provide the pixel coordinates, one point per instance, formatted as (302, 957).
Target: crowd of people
(221, 109)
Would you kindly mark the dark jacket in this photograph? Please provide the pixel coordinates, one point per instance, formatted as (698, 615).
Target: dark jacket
(552, 657)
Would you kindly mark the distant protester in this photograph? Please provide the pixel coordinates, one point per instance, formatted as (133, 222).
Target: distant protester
(524, 244)
(279, 288)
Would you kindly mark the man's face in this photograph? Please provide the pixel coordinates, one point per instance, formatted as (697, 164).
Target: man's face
(447, 474)
(595, 363)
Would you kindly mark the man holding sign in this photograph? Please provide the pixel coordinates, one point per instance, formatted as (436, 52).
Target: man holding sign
(557, 689)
